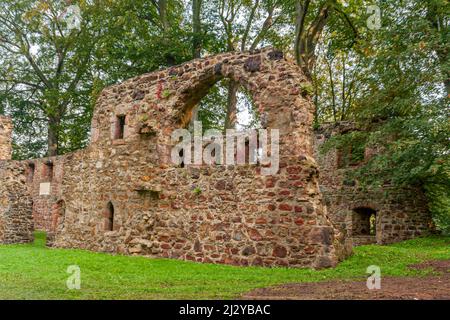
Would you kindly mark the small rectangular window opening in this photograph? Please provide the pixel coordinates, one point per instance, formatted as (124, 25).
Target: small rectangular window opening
(120, 127)
(31, 170)
(48, 174)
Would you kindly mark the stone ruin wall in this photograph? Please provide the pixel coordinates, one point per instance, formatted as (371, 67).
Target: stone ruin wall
(44, 177)
(16, 221)
(5, 138)
(401, 214)
(218, 214)
(240, 216)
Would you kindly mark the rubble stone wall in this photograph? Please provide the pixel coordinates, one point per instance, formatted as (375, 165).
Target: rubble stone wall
(44, 178)
(401, 214)
(122, 194)
(5, 138)
(125, 180)
(16, 221)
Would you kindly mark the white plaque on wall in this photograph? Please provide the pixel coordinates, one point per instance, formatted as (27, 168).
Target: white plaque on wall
(44, 189)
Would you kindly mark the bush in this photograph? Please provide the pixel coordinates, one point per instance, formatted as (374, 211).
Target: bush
(439, 204)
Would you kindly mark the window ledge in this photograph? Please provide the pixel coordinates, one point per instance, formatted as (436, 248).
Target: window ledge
(119, 142)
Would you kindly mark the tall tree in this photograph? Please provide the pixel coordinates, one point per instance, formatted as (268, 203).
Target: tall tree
(51, 72)
(197, 40)
(402, 103)
(141, 36)
(196, 28)
(45, 64)
(311, 18)
(246, 25)
(437, 16)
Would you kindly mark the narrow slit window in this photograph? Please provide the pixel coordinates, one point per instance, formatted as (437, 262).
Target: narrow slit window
(48, 171)
(120, 127)
(109, 217)
(31, 170)
(181, 154)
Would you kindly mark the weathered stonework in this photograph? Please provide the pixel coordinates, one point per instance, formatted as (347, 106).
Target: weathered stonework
(399, 214)
(5, 138)
(125, 180)
(123, 195)
(16, 221)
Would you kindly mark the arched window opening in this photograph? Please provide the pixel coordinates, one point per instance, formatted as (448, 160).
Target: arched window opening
(228, 105)
(109, 217)
(364, 221)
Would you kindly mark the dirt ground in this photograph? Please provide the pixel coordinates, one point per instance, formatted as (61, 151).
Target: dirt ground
(435, 287)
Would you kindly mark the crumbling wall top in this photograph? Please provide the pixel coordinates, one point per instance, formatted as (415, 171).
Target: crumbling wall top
(6, 127)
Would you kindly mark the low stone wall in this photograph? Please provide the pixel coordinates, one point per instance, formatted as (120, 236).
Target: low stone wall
(16, 221)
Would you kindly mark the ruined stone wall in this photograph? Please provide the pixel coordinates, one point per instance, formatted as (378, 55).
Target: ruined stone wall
(44, 178)
(5, 137)
(123, 195)
(239, 216)
(400, 213)
(16, 222)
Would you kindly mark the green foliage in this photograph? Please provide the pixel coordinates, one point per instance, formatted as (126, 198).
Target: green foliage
(50, 75)
(439, 202)
(351, 145)
(307, 88)
(212, 108)
(166, 93)
(197, 191)
(399, 95)
(45, 74)
(139, 39)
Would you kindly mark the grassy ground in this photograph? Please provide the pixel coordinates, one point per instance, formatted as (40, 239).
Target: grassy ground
(35, 272)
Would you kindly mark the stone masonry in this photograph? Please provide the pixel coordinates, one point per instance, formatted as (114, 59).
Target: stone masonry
(5, 138)
(16, 222)
(122, 194)
(398, 214)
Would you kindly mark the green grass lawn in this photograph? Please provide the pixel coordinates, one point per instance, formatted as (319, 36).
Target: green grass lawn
(35, 272)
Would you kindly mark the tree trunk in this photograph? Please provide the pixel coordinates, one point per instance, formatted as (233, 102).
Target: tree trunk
(443, 61)
(333, 92)
(307, 37)
(196, 45)
(53, 136)
(196, 28)
(438, 22)
(162, 8)
(231, 118)
(164, 18)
